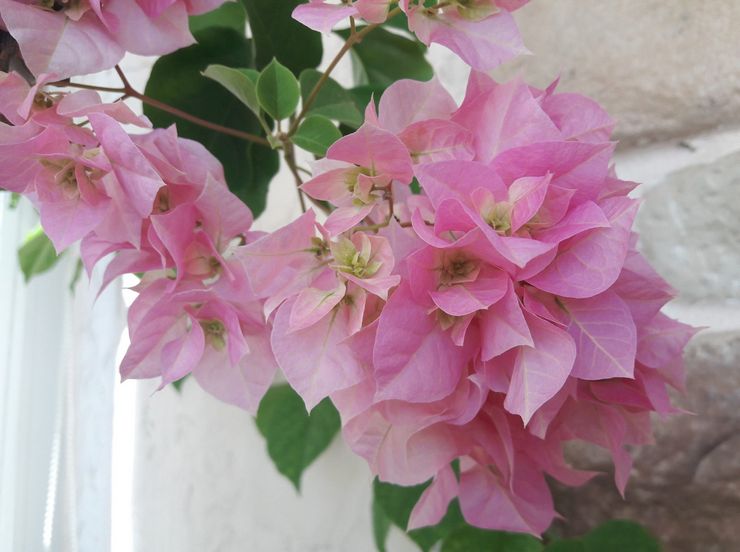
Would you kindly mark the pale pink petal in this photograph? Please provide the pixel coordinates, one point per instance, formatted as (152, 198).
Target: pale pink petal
(52, 43)
(503, 327)
(575, 166)
(434, 501)
(540, 371)
(140, 34)
(243, 384)
(506, 116)
(581, 218)
(463, 299)
(414, 358)
(373, 11)
(322, 17)
(578, 117)
(487, 502)
(437, 140)
(586, 266)
(312, 304)
(375, 149)
(315, 360)
(458, 180)
(134, 173)
(408, 101)
(180, 356)
(527, 195)
(662, 340)
(483, 44)
(605, 336)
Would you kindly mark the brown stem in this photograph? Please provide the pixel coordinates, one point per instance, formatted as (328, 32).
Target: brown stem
(289, 155)
(130, 92)
(353, 39)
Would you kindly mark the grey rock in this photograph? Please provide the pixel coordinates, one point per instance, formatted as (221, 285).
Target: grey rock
(690, 229)
(686, 487)
(662, 69)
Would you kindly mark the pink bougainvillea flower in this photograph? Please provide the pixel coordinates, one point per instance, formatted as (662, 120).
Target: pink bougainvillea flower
(324, 286)
(76, 38)
(482, 33)
(224, 345)
(357, 175)
(322, 15)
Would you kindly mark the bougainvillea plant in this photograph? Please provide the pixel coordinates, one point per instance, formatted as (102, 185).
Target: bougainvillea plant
(462, 290)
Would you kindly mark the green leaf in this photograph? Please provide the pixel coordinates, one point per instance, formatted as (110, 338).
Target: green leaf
(397, 502)
(381, 526)
(316, 134)
(177, 384)
(278, 91)
(277, 35)
(618, 536)
(230, 14)
(332, 101)
(466, 538)
(79, 268)
(242, 83)
(455, 534)
(176, 79)
(37, 254)
(387, 57)
(295, 438)
(569, 545)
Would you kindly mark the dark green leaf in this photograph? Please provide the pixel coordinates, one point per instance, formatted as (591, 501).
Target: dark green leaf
(37, 254)
(381, 526)
(570, 545)
(399, 21)
(176, 79)
(397, 502)
(278, 91)
(619, 536)
(277, 35)
(467, 538)
(387, 57)
(316, 134)
(230, 14)
(295, 438)
(242, 83)
(177, 384)
(332, 101)
(366, 92)
(79, 267)
(456, 535)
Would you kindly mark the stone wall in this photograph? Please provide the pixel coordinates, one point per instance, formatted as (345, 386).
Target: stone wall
(669, 73)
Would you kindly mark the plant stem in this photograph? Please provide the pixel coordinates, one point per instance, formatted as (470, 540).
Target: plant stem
(353, 39)
(129, 91)
(289, 155)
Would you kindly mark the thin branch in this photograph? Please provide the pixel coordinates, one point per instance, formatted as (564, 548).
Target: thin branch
(131, 92)
(289, 155)
(353, 39)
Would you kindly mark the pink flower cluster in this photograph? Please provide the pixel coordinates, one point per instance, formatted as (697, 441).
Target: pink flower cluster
(481, 32)
(490, 318)
(76, 37)
(161, 205)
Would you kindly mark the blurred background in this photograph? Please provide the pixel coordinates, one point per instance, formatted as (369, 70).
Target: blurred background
(88, 464)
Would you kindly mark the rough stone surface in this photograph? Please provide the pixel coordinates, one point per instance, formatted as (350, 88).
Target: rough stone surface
(690, 229)
(662, 69)
(686, 487)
